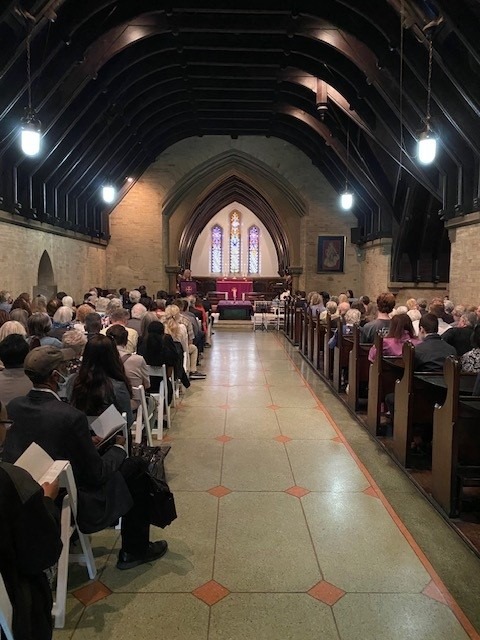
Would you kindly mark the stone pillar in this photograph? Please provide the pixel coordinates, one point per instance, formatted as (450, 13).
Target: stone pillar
(172, 271)
(375, 263)
(295, 272)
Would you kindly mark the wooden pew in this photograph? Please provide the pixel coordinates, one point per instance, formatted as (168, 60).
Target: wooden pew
(340, 355)
(306, 315)
(456, 441)
(414, 401)
(312, 321)
(415, 397)
(288, 323)
(327, 355)
(383, 373)
(297, 334)
(319, 343)
(358, 368)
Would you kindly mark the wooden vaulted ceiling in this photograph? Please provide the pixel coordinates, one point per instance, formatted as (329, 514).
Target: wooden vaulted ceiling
(116, 82)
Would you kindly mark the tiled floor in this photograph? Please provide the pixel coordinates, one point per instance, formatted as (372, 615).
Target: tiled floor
(282, 534)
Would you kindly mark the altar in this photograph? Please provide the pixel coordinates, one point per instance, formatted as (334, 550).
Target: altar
(235, 288)
(234, 310)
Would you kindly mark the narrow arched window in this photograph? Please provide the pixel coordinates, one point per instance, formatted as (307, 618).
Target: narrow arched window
(216, 249)
(254, 250)
(235, 242)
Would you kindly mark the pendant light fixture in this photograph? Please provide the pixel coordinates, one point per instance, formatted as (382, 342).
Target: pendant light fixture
(31, 132)
(346, 198)
(108, 193)
(427, 142)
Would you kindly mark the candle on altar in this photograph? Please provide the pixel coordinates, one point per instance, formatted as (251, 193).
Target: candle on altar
(234, 293)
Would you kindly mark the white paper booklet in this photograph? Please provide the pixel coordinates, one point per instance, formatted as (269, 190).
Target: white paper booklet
(40, 465)
(108, 423)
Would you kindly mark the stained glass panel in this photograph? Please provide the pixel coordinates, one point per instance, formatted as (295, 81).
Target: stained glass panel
(235, 242)
(216, 252)
(254, 250)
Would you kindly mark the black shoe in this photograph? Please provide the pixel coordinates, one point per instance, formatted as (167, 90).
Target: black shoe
(155, 550)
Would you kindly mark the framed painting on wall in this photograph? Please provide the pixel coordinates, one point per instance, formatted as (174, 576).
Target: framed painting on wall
(331, 254)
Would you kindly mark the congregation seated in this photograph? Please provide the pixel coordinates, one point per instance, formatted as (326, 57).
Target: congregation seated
(109, 486)
(470, 360)
(76, 341)
(13, 381)
(133, 363)
(316, 304)
(39, 327)
(400, 331)
(6, 301)
(101, 380)
(330, 310)
(352, 317)
(93, 324)
(20, 315)
(62, 321)
(39, 304)
(29, 545)
(12, 326)
(460, 336)
(82, 312)
(137, 312)
(121, 316)
(385, 305)
(432, 351)
(159, 349)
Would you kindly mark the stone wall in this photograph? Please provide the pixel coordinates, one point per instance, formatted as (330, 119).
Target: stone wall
(77, 265)
(375, 260)
(464, 233)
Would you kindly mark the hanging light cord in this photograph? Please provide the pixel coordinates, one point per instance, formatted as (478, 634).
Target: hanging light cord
(348, 158)
(29, 73)
(429, 81)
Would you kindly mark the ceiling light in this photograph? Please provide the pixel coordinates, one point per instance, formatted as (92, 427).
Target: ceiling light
(346, 200)
(108, 193)
(31, 132)
(427, 143)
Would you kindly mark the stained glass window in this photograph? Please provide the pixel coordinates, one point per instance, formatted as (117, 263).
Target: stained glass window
(254, 250)
(235, 242)
(216, 252)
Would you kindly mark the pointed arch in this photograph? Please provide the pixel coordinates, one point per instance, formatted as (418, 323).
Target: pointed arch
(45, 276)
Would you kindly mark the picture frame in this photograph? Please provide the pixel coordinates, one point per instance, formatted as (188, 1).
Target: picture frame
(331, 254)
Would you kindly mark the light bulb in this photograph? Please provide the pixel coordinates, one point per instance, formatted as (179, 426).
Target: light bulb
(108, 193)
(346, 200)
(427, 148)
(30, 140)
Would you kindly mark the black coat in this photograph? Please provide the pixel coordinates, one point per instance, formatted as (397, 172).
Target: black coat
(29, 544)
(460, 338)
(431, 353)
(63, 433)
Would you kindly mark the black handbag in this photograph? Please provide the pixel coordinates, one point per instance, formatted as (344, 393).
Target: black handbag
(162, 502)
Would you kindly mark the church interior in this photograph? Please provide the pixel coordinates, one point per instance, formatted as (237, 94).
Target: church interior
(250, 153)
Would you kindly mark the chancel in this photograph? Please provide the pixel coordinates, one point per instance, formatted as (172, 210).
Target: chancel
(252, 229)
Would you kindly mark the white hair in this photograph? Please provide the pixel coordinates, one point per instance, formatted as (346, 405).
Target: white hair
(63, 315)
(134, 295)
(352, 316)
(414, 314)
(67, 301)
(138, 311)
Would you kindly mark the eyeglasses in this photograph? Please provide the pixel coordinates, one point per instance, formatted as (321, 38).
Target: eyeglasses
(6, 423)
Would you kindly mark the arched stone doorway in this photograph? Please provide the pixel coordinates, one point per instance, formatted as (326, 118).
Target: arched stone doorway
(45, 279)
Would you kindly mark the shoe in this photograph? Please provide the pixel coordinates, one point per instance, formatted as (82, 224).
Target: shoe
(207, 345)
(196, 375)
(155, 551)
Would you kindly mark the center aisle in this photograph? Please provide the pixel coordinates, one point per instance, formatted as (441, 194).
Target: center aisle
(280, 534)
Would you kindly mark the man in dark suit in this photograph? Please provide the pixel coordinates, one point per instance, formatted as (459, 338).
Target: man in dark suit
(109, 486)
(460, 336)
(432, 352)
